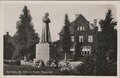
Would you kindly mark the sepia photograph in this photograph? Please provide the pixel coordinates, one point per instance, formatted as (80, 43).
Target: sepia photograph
(57, 38)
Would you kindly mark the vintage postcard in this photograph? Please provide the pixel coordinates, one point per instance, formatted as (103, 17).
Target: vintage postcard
(60, 39)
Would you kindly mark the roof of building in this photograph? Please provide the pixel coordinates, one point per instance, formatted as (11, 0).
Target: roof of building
(82, 20)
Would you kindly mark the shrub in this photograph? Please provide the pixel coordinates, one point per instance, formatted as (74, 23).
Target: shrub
(88, 68)
(67, 69)
(52, 63)
(38, 64)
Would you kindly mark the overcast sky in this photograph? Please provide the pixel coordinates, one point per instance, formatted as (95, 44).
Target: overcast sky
(57, 13)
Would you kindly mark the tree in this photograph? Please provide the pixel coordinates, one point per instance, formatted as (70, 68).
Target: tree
(108, 23)
(77, 44)
(66, 41)
(109, 33)
(107, 40)
(25, 37)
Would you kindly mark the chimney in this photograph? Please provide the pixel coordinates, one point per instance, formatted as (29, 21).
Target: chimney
(95, 22)
(77, 15)
(7, 33)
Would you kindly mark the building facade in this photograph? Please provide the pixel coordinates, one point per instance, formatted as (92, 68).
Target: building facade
(8, 47)
(84, 35)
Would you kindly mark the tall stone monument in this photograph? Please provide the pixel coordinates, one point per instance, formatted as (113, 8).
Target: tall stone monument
(43, 49)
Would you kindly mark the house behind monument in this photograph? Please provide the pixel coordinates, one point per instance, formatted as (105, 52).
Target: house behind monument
(87, 38)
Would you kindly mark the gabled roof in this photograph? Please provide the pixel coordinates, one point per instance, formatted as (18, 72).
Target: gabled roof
(81, 20)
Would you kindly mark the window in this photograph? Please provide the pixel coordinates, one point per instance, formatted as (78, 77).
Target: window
(81, 28)
(90, 38)
(72, 49)
(86, 50)
(78, 28)
(80, 38)
(72, 38)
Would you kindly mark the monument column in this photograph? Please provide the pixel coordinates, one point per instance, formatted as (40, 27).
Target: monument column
(43, 48)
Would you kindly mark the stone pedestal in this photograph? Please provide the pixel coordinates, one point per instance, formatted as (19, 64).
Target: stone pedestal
(42, 52)
(43, 48)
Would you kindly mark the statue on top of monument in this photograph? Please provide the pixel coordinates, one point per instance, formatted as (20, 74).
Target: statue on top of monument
(46, 18)
(46, 37)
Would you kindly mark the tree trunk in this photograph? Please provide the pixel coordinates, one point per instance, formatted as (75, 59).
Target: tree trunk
(65, 58)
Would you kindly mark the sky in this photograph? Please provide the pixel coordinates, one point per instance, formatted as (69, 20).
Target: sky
(57, 10)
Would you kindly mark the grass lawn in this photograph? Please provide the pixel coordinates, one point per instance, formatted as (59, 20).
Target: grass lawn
(27, 70)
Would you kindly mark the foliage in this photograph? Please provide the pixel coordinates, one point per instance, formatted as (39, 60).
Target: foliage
(108, 35)
(25, 37)
(52, 63)
(77, 43)
(108, 24)
(88, 68)
(107, 40)
(53, 51)
(38, 64)
(67, 69)
(66, 41)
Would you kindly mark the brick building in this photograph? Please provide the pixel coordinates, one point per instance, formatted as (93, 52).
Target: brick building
(8, 47)
(86, 33)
